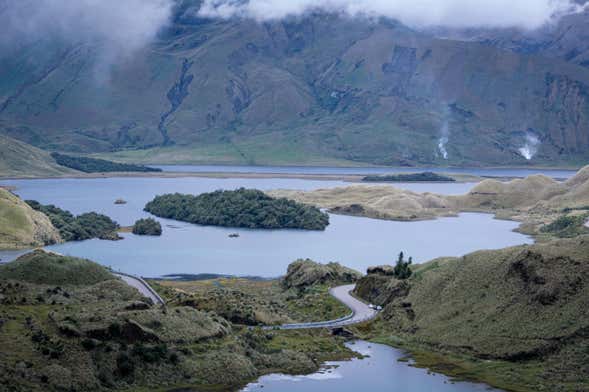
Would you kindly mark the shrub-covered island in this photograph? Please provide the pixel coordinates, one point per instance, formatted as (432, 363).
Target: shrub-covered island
(148, 226)
(412, 177)
(93, 165)
(81, 227)
(249, 208)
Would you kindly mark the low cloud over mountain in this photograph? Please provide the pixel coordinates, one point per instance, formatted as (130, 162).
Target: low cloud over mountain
(527, 14)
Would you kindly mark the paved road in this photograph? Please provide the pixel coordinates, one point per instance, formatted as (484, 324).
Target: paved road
(360, 311)
(141, 285)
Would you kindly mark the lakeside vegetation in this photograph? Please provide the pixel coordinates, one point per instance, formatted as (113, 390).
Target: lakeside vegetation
(94, 165)
(81, 227)
(147, 226)
(248, 208)
(410, 177)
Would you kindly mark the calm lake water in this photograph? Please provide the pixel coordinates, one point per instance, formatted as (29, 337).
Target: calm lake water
(495, 172)
(380, 372)
(187, 248)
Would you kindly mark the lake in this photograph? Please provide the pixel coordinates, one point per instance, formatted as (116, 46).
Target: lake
(483, 172)
(186, 248)
(380, 372)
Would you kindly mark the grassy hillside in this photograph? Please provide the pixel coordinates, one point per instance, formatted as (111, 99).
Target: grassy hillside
(42, 267)
(516, 318)
(21, 226)
(323, 88)
(18, 159)
(67, 324)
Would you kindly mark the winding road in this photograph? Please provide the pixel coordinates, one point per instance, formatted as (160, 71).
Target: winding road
(141, 285)
(360, 311)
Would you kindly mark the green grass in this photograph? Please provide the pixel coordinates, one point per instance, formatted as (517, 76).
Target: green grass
(46, 268)
(251, 152)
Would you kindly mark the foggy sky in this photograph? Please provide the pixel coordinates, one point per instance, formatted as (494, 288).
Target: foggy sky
(526, 14)
(119, 26)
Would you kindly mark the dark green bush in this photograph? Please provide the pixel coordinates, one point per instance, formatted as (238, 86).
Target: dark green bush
(93, 165)
(78, 228)
(147, 226)
(247, 208)
(402, 269)
(567, 226)
(413, 177)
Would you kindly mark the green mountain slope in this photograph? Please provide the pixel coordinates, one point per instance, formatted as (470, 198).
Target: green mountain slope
(318, 87)
(20, 159)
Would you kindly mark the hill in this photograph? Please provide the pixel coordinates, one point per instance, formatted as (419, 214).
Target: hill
(77, 327)
(516, 318)
(535, 200)
(42, 267)
(18, 159)
(21, 226)
(321, 88)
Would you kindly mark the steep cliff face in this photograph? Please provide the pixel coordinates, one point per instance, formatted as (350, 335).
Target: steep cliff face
(322, 85)
(23, 227)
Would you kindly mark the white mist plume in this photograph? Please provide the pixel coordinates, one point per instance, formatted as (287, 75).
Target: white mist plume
(119, 26)
(527, 14)
(530, 147)
(444, 138)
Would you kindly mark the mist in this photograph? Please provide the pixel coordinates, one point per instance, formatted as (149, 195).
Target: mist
(119, 27)
(525, 14)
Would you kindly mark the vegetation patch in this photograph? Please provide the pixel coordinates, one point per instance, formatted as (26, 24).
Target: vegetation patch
(49, 268)
(77, 228)
(248, 208)
(148, 226)
(94, 165)
(411, 177)
(567, 226)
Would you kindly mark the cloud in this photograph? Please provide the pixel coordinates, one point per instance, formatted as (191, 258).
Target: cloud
(119, 26)
(527, 14)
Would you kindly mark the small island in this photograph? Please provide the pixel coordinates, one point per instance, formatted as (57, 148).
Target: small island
(248, 208)
(410, 177)
(148, 226)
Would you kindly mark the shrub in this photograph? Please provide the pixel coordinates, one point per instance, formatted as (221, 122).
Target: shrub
(414, 177)
(78, 228)
(93, 165)
(147, 226)
(402, 269)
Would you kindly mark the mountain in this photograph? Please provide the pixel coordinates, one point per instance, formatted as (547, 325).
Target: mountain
(18, 159)
(319, 88)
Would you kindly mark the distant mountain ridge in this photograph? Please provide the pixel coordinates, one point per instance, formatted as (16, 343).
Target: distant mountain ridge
(317, 86)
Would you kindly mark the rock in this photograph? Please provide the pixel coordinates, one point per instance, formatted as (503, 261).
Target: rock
(386, 270)
(305, 273)
(343, 332)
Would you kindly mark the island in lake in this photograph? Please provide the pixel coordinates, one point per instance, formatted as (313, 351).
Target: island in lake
(410, 177)
(248, 208)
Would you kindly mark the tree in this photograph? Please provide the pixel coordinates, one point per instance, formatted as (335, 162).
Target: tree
(402, 269)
